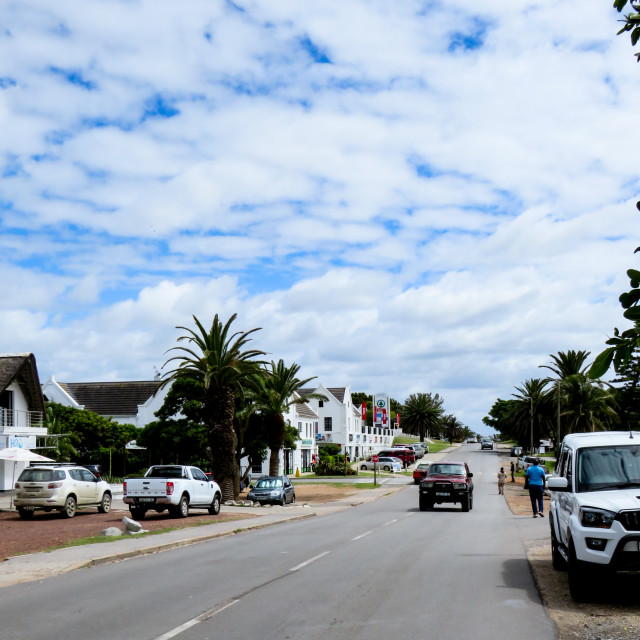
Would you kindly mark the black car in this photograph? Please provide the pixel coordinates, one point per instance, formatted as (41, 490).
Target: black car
(94, 468)
(272, 490)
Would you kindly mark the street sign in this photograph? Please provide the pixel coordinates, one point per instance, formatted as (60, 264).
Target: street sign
(375, 459)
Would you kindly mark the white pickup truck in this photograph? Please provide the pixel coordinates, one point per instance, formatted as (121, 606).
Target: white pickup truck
(172, 487)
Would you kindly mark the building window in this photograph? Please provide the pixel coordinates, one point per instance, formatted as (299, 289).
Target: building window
(321, 403)
(328, 423)
(300, 428)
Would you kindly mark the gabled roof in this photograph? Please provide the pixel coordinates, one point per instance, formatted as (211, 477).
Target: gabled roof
(112, 398)
(22, 369)
(305, 411)
(337, 392)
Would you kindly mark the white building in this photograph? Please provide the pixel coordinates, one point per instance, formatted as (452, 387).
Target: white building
(21, 411)
(134, 402)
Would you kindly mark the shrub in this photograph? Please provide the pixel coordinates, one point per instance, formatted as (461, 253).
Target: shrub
(334, 466)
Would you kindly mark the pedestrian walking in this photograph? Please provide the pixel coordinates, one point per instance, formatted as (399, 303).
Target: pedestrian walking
(536, 479)
(502, 478)
(513, 471)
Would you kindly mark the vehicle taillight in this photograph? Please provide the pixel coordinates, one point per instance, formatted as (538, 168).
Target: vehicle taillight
(169, 488)
(54, 485)
(124, 488)
(17, 485)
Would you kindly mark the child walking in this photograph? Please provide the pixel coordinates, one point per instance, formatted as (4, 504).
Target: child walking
(502, 478)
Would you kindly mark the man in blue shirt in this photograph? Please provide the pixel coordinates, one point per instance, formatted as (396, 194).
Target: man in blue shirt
(536, 478)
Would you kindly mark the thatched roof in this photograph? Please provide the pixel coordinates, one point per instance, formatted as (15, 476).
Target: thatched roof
(112, 398)
(21, 368)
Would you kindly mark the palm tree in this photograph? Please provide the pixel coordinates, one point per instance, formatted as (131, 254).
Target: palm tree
(587, 405)
(421, 413)
(219, 361)
(567, 363)
(529, 414)
(277, 392)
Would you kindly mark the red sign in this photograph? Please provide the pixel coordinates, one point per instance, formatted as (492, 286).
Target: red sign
(375, 459)
(384, 416)
(363, 410)
(397, 418)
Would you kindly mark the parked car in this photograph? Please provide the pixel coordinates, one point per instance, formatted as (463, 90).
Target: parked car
(94, 468)
(63, 487)
(420, 472)
(272, 490)
(406, 455)
(447, 482)
(524, 462)
(594, 513)
(383, 464)
(171, 487)
(487, 443)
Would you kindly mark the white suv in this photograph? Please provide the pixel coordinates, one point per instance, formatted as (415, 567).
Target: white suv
(594, 512)
(63, 487)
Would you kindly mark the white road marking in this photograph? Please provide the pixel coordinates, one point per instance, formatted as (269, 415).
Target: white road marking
(386, 524)
(304, 564)
(194, 621)
(362, 535)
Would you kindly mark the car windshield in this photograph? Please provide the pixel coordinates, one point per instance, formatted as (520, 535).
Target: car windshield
(41, 475)
(447, 470)
(269, 483)
(601, 468)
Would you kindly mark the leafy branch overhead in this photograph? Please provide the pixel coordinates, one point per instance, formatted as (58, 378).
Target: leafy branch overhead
(631, 20)
(623, 344)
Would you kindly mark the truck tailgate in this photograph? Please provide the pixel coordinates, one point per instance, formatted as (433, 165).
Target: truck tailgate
(146, 487)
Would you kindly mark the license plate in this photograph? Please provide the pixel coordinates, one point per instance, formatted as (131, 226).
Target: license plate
(146, 499)
(442, 493)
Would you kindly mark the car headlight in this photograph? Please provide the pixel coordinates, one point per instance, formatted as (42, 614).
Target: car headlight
(275, 494)
(597, 518)
(459, 485)
(428, 485)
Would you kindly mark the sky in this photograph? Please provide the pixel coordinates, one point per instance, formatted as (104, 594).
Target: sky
(406, 197)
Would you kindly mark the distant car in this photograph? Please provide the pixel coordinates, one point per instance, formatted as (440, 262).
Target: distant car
(406, 454)
(60, 487)
(487, 443)
(420, 472)
(384, 464)
(273, 490)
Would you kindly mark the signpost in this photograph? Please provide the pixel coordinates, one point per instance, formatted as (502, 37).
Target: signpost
(375, 460)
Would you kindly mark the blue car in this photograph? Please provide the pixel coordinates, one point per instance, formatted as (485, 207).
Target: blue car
(272, 490)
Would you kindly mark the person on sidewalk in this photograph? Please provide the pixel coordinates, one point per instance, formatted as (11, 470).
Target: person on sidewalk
(502, 478)
(513, 471)
(536, 478)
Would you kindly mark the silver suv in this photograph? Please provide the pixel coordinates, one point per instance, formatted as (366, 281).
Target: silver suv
(63, 487)
(594, 512)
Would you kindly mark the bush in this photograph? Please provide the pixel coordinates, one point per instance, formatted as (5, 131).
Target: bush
(334, 466)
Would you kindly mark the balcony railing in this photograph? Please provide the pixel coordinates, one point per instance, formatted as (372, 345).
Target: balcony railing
(19, 419)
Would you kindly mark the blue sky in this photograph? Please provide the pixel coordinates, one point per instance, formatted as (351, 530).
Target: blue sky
(408, 196)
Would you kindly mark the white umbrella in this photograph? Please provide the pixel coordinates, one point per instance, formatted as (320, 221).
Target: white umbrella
(15, 454)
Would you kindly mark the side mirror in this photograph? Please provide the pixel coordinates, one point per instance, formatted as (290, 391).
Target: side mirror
(557, 483)
(470, 475)
(250, 486)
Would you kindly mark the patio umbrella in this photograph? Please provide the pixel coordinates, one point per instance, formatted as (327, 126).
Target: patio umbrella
(15, 454)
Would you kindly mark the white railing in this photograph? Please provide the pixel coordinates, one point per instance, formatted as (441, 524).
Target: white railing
(17, 418)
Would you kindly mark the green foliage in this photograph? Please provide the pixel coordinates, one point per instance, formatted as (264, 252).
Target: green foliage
(91, 438)
(333, 466)
(328, 451)
(631, 21)
(422, 414)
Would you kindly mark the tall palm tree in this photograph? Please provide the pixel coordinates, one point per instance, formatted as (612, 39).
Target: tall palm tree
(587, 405)
(278, 391)
(219, 360)
(567, 363)
(421, 413)
(529, 414)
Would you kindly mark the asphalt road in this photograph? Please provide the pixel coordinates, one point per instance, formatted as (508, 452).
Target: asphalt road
(380, 570)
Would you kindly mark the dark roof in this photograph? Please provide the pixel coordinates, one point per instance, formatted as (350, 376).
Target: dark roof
(22, 369)
(337, 392)
(305, 411)
(112, 398)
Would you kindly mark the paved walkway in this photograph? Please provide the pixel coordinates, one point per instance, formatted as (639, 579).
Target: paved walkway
(37, 566)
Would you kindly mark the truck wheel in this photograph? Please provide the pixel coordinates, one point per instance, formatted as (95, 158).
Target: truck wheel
(214, 509)
(471, 501)
(105, 503)
(69, 509)
(579, 578)
(465, 503)
(557, 561)
(183, 507)
(137, 513)
(25, 514)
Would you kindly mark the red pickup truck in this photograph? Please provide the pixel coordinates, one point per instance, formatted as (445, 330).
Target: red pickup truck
(447, 482)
